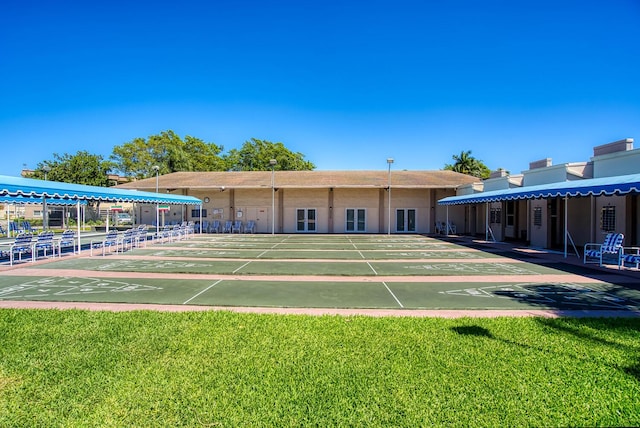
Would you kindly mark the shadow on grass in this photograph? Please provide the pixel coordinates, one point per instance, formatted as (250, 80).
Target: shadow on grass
(594, 331)
(591, 331)
(473, 330)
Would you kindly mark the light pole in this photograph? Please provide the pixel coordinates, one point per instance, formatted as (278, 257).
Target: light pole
(389, 162)
(45, 209)
(156, 168)
(273, 164)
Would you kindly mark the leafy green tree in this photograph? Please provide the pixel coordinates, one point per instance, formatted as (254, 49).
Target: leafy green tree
(255, 155)
(81, 168)
(168, 151)
(467, 164)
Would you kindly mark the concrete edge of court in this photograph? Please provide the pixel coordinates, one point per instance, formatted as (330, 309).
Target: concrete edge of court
(418, 313)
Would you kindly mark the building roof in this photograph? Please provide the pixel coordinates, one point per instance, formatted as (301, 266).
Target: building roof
(304, 179)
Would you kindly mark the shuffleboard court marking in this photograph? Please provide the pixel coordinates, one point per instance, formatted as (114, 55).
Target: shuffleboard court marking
(355, 247)
(392, 295)
(66, 286)
(203, 291)
(236, 271)
(374, 271)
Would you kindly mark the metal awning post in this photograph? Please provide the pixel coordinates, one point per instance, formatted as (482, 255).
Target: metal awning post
(78, 224)
(486, 222)
(566, 222)
(446, 227)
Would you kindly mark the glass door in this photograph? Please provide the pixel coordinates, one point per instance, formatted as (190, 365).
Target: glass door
(306, 220)
(356, 220)
(406, 220)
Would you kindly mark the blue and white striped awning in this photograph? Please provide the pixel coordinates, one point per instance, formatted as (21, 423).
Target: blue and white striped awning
(25, 200)
(32, 188)
(618, 185)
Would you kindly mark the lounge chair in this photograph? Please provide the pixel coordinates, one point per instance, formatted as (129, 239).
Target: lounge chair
(111, 240)
(227, 226)
(26, 226)
(236, 227)
(631, 256)
(250, 227)
(44, 242)
(22, 244)
(13, 227)
(66, 240)
(609, 249)
(214, 227)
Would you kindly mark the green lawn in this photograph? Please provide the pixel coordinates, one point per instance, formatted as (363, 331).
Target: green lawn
(78, 368)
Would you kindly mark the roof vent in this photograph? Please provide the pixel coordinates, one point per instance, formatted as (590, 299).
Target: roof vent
(616, 146)
(542, 163)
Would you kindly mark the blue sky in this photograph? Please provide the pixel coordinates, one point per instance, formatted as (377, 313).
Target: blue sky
(346, 83)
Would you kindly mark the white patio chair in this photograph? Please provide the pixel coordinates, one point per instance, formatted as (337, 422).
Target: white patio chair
(611, 247)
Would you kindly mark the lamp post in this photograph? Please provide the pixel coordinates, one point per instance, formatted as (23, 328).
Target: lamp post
(389, 162)
(45, 209)
(156, 168)
(273, 164)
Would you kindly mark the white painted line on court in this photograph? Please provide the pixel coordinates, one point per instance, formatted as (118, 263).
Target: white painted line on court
(392, 295)
(352, 243)
(262, 253)
(242, 266)
(374, 271)
(203, 291)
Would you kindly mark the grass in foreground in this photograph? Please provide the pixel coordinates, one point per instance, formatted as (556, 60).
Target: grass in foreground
(71, 368)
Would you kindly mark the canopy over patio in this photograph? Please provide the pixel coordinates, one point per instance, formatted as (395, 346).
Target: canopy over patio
(53, 190)
(618, 185)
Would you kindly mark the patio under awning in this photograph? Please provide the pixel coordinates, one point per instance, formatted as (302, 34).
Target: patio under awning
(54, 192)
(604, 186)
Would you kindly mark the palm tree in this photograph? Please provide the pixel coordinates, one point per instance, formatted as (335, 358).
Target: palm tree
(467, 164)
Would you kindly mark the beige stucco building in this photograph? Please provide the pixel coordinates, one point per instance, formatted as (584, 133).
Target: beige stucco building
(310, 201)
(554, 222)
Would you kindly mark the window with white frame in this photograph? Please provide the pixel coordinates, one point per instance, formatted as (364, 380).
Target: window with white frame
(356, 220)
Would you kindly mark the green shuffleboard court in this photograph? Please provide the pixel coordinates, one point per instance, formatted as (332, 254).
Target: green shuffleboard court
(323, 271)
(309, 267)
(322, 294)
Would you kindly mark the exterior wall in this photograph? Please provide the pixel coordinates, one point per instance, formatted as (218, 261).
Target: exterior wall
(620, 226)
(366, 199)
(579, 220)
(417, 199)
(557, 173)
(619, 163)
(253, 204)
(293, 199)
